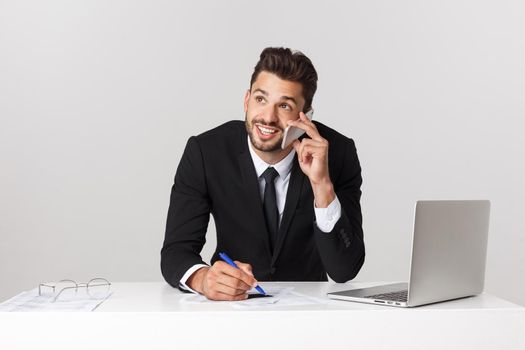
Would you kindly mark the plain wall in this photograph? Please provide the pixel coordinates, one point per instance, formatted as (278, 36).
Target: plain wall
(98, 98)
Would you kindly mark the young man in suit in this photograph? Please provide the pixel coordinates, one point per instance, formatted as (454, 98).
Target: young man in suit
(289, 214)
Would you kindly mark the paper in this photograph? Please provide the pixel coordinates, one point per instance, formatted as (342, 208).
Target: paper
(31, 301)
(281, 296)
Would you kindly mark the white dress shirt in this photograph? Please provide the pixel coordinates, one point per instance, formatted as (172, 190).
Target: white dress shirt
(326, 218)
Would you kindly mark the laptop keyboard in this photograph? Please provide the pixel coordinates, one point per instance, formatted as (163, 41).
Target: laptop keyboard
(394, 296)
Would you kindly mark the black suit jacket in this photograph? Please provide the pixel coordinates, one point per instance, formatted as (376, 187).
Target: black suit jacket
(216, 175)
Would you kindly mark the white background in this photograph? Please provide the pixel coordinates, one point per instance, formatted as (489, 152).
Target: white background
(98, 98)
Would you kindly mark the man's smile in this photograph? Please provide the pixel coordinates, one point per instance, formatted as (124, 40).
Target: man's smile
(266, 132)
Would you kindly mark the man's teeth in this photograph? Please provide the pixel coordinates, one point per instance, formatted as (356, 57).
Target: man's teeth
(266, 131)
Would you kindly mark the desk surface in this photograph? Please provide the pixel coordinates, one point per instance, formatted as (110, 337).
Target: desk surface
(153, 316)
(160, 297)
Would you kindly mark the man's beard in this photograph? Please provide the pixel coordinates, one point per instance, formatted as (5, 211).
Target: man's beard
(274, 146)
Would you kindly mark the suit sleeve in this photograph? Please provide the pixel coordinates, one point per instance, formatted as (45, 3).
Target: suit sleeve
(188, 216)
(342, 250)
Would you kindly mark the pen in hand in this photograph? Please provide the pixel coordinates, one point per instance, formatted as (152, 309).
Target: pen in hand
(230, 262)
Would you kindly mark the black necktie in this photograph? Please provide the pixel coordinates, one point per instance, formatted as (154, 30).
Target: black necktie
(271, 213)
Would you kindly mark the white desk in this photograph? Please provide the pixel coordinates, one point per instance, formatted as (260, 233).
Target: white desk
(152, 316)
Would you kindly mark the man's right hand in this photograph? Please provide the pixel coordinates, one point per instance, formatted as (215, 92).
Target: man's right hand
(222, 281)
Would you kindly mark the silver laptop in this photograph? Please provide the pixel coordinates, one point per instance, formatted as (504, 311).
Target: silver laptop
(449, 248)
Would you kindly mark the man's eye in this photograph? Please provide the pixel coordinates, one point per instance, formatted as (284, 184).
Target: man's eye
(286, 106)
(259, 99)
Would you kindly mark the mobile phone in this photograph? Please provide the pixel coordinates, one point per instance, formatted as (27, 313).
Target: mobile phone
(292, 133)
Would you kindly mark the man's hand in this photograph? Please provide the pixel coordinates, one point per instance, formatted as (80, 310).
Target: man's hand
(223, 282)
(313, 160)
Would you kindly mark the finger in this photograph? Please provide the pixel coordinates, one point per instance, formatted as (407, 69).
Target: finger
(236, 273)
(296, 145)
(233, 283)
(247, 268)
(314, 143)
(307, 125)
(301, 154)
(304, 157)
(311, 149)
(305, 119)
(228, 286)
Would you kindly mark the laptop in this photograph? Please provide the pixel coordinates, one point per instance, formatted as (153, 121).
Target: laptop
(449, 248)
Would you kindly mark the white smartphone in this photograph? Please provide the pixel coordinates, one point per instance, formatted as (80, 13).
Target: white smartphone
(292, 133)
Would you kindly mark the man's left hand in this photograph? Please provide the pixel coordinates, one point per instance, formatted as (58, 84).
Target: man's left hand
(312, 154)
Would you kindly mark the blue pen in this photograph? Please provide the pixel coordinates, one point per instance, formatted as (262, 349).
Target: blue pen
(231, 263)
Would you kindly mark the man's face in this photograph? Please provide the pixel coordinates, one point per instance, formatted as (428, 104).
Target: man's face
(269, 105)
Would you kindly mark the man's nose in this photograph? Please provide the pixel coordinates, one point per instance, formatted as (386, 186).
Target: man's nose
(270, 115)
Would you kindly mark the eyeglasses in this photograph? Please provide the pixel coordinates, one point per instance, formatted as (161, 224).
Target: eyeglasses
(96, 288)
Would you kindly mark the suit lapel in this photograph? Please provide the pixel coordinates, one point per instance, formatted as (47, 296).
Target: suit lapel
(292, 198)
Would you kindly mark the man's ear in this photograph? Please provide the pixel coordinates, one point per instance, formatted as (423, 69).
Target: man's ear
(246, 99)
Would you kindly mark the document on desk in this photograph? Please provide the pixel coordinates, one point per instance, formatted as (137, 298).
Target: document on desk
(280, 296)
(31, 301)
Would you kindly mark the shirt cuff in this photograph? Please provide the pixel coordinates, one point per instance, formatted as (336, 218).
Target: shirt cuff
(184, 279)
(326, 218)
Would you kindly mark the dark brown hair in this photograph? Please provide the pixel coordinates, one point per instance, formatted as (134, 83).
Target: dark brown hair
(289, 65)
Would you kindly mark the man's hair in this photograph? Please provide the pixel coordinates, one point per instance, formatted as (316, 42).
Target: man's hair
(289, 65)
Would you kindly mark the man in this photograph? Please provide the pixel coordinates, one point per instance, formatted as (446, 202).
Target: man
(288, 214)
